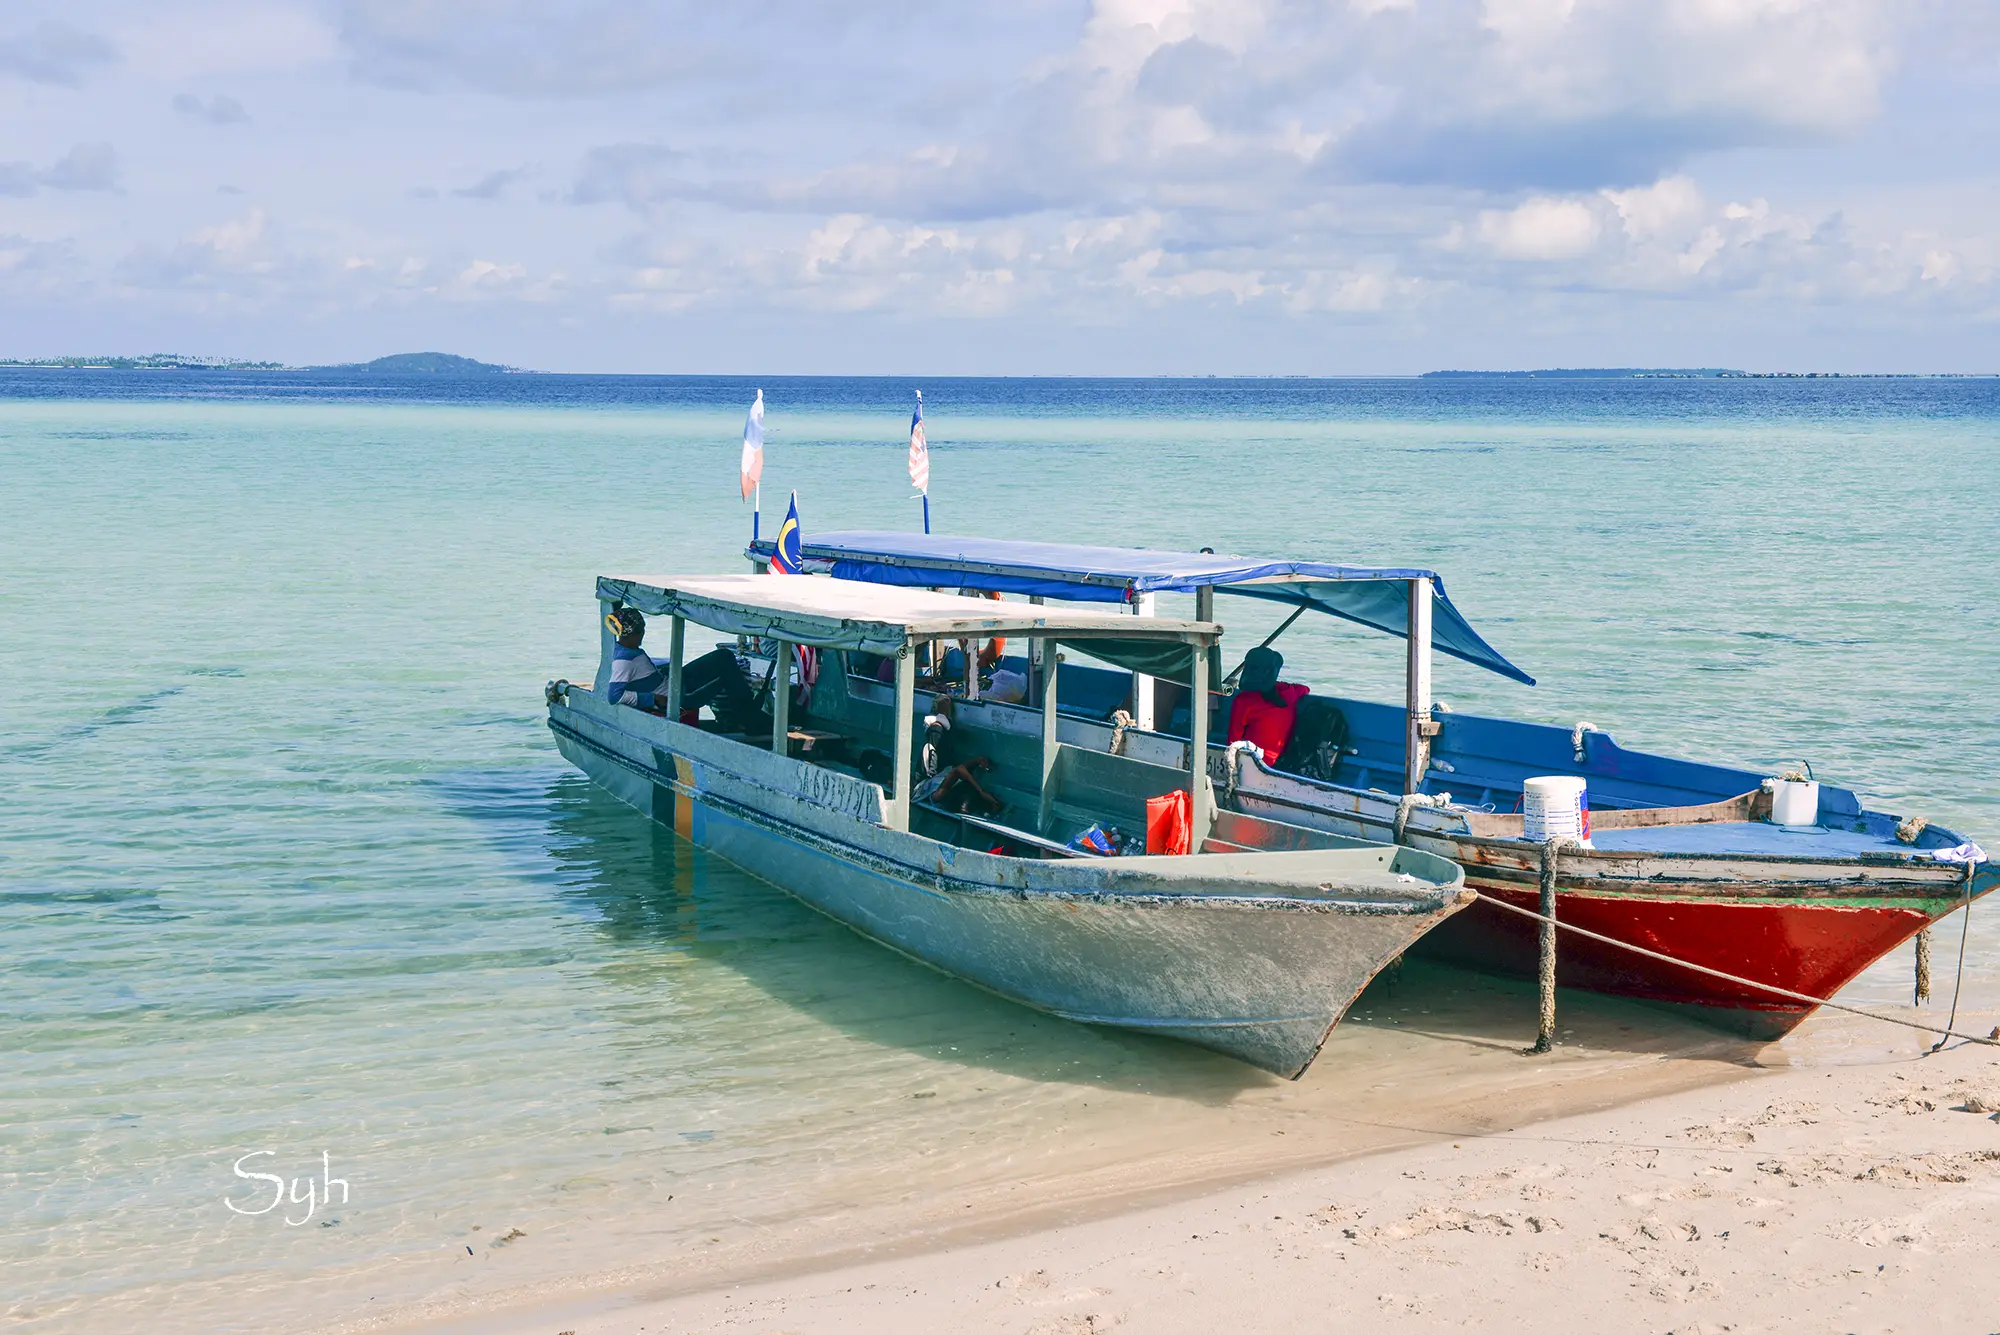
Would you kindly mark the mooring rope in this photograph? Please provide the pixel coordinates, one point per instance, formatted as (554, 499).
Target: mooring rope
(1964, 931)
(1233, 760)
(1545, 1037)
(1550, 922)
(1408, 803)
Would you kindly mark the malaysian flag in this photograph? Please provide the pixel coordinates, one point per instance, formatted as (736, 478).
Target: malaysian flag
(920, 450)
(786, 556)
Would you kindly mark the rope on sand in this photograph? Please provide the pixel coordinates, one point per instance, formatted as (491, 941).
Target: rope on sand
(1550, 925)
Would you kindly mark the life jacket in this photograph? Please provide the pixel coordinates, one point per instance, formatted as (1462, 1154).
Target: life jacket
(1253, 718)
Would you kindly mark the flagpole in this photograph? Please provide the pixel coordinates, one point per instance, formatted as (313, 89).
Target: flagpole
(756, 508)
(927, 513)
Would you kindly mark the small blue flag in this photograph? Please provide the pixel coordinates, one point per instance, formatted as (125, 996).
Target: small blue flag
(786, 556)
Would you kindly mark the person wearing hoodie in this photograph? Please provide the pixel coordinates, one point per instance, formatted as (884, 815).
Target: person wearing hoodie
(1265, 710)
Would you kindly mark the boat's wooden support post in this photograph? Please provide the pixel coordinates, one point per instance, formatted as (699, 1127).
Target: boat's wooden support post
(1923, 966)
(1145, 605)
(1546, 974)
(906, 702)
(1051, 664)
(781, 699)
(1036, 649)
(1418, 727)
(1198, 816)
(606, 642)
(676, 642)
(1204, 610)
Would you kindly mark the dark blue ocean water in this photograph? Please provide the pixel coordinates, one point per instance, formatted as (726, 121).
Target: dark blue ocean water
(289, 864)
(1818, 399)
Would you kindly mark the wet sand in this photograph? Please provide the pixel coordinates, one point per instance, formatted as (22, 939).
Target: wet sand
(1854, 1185)
(1430, 1054)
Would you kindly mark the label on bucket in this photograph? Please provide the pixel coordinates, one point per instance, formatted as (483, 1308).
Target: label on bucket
(1556, 807)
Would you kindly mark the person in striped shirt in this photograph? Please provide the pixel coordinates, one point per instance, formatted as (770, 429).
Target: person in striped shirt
(715, 679)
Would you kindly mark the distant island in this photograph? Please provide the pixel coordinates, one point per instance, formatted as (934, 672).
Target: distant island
(1591, 373)
(152, 361)
(402, 363)
(1691, 373)
(423, 363)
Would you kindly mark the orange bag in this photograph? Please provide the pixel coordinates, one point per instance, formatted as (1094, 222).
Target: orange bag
(1169, 817)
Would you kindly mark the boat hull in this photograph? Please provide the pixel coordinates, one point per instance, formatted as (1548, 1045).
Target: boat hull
(1805, 924)
(1259, 968)
(1808, 924)
(1815, 949)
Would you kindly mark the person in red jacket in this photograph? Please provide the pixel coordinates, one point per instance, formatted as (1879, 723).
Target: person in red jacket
(1265, 710)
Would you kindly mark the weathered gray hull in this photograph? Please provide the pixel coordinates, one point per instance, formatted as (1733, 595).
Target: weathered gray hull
(1256, 955)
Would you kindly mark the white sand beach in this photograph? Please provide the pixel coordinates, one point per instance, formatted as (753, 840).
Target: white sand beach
(1855, 1188)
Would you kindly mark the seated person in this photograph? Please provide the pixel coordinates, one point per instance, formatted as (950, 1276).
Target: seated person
(958, 788)
(715, 679)
(1265, 710)
(953, 783)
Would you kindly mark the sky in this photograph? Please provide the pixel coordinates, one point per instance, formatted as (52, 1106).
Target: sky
(1143, 187)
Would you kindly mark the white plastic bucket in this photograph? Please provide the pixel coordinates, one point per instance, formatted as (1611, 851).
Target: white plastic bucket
(1557, 807)
(1794, 802)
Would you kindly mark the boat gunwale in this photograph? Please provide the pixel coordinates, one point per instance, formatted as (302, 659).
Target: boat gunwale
(1441, 899)
(1949, 872)
(1419, 820)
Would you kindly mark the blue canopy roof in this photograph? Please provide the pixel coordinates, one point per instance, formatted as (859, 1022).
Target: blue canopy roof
(1373, 596)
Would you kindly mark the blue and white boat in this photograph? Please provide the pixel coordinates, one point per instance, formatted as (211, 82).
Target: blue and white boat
(1253, 945)
(1683, 860)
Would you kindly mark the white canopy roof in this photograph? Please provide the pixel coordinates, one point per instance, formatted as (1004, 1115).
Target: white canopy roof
(877, 618)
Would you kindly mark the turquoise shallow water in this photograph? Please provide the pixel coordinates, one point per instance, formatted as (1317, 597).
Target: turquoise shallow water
(289, 863)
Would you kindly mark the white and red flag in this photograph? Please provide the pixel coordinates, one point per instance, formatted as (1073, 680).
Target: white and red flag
(920, 450)
(753, 446)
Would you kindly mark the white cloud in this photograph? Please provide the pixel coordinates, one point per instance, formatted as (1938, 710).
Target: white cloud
(1168, 166)
(1665, 208)
(1541, 229)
